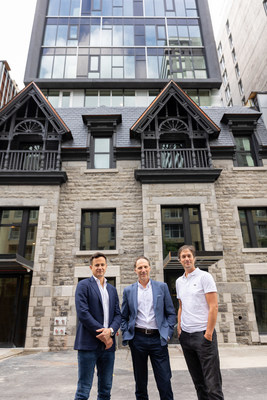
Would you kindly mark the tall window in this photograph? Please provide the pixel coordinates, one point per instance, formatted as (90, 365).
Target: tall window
(181, 225)
(18, 228)
(98, 230)
(253, 223)
(245, 152)
(265, 6)
(259, 290)
(101, 154)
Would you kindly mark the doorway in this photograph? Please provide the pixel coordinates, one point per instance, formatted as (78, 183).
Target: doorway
(170, 277)
(14, 301)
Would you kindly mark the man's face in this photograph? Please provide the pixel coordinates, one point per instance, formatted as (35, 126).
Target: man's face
(187, 260)
(98, 267)
(142, 270)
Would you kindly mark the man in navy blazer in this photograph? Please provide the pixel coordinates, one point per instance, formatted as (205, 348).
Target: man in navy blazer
(148, 319)
(98, 311)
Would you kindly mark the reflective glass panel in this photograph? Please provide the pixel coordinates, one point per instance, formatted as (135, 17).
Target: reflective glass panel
(46, 67)
(71, 67)
(102, 145)
(50, 35)
(53, 7)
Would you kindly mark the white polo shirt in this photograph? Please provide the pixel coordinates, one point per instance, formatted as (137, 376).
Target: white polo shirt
(191, 291)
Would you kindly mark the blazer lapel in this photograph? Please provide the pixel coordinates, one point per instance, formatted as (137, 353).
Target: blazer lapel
(134, 296)
(95, 288)
(155, 295)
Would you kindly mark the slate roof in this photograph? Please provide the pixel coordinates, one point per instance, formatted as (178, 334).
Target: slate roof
(73, 119)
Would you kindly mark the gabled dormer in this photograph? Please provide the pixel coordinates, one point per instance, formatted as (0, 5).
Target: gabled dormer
(175, 134)
(31, 134)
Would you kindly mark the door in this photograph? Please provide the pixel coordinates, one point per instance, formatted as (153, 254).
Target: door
(14, 301)
(170, 277)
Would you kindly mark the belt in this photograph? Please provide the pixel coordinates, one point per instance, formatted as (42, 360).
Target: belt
(150, 332)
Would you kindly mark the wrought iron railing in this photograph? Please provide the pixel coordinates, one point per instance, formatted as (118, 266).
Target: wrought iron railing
(27, 160)
(177, 158)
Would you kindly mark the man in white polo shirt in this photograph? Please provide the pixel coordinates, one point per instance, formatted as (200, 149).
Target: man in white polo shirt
(197, 314)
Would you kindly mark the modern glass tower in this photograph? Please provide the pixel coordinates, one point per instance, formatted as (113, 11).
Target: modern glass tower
(122, 52)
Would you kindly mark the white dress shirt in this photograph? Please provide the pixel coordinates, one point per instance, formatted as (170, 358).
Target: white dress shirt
(105, 300)
(145, 309)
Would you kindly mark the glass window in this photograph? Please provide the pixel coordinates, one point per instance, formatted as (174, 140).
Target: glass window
(18, 230)
(65, 99)
(62, 35)
(50, 35)
(265, 6)
(181, 225)
(150, 35)
(53, 97)
(46, 67)
(71, 67)
(98, 230)
(75, 7)
(245, 155)
(128, 35)
(259, 291)
(253, 222)
(53, 7)
(64, 7)
(91, 98)
(105, 69)
(102, 158)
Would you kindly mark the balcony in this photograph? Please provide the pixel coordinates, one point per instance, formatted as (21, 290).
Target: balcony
(177, 158)
(176, 166)
(35, 167)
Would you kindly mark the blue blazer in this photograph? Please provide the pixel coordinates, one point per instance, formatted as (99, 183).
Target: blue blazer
(91, 316)
(163, 307)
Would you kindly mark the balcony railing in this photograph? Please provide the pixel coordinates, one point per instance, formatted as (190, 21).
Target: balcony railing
(178, 158)
(26, 160)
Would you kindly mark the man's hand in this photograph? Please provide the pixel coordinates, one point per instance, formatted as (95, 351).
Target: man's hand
(179, 330)
(105, 337)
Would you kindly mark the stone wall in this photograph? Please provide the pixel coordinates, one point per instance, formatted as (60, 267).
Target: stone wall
(94, 189)
(47, 199)
(240, 187)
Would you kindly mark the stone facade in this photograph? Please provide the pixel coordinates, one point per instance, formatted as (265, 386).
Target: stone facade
(59, 263)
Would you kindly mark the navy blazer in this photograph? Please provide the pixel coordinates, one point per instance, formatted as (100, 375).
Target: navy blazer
(163, 307)
(91, 316)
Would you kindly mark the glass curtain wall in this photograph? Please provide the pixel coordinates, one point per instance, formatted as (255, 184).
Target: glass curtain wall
(119, 39)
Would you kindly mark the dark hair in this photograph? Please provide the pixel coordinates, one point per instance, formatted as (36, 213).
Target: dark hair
(140, 258)
(187, 247)
(97, 255)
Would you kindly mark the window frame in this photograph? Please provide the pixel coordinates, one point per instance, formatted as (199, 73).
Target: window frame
(250, 225)
(253, 148)
(93, 153)
(94, 229)
(24, 226)
(186, 224)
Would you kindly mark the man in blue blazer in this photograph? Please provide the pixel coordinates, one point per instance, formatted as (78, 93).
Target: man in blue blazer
(148, 319)
(98, 311)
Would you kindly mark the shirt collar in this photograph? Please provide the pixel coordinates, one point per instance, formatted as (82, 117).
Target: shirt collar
(195, 272)
(142, 287)
(98, 281)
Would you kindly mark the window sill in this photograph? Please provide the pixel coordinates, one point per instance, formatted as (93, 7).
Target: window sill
(91, 252)
(249, 168)
(101, 171)
(255, 250)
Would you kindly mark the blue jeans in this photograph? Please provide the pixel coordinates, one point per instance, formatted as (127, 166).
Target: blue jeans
(87, 360)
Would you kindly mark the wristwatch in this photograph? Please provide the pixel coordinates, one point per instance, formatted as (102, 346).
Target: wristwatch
(112, 333)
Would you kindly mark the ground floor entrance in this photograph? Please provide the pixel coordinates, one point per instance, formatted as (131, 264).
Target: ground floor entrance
(14, 301)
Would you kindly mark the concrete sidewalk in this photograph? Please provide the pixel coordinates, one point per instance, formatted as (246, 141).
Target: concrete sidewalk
(53, 375)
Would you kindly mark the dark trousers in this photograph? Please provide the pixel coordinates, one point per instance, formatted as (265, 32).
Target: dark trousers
(141, 347)
(202, 359)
